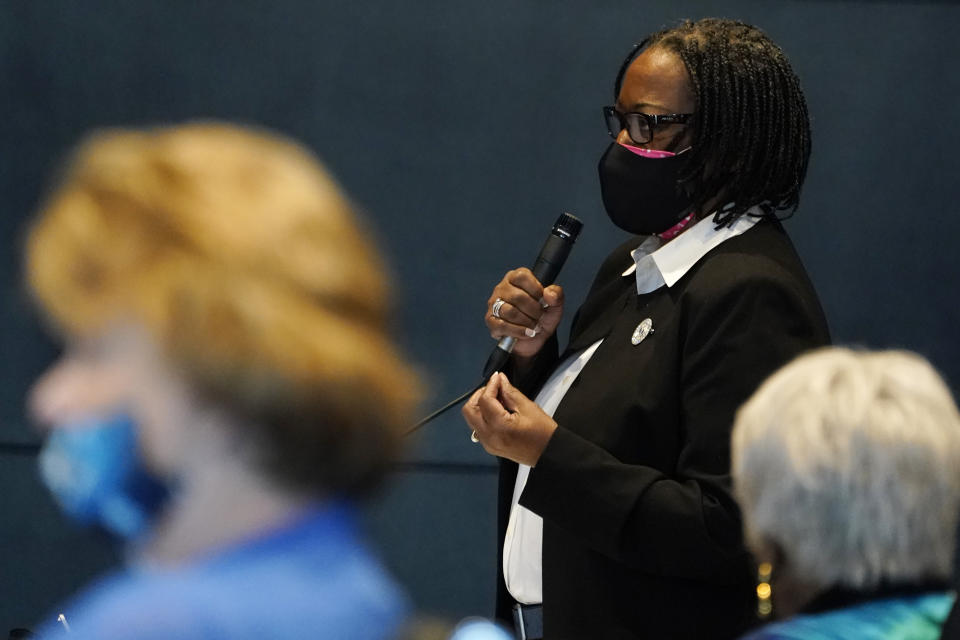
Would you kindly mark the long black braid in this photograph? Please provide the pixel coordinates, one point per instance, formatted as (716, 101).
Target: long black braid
(750, 128)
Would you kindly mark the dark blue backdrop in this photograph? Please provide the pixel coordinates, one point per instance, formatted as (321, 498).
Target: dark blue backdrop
(463, 129)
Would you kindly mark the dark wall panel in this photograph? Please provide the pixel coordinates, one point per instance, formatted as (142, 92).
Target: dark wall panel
(439, 538)
(463, 129)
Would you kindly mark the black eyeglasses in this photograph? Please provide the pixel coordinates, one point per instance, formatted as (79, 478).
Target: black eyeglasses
(639, 126)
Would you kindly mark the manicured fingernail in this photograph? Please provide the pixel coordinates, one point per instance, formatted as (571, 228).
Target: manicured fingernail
(543, 303)
(530, 332)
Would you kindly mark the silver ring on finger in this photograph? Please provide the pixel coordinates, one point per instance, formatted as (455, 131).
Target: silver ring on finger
(495, 309)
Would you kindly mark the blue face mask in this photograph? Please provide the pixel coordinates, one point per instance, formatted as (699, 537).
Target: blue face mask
(93, 469)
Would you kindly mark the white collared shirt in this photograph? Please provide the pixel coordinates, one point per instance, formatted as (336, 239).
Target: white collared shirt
(655, 264)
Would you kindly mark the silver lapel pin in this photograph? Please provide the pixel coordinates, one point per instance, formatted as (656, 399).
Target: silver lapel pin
(643, 329)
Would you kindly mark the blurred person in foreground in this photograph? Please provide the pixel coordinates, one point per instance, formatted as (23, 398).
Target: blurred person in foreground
(847, 467)
(228, 389)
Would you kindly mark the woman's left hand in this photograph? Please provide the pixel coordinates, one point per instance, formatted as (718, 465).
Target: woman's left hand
(507, 423)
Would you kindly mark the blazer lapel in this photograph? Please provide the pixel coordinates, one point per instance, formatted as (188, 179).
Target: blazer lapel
(597, 315)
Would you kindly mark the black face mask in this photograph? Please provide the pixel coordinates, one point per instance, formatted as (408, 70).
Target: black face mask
(641, 194)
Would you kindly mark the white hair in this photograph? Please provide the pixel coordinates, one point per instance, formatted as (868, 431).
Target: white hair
(850, 463)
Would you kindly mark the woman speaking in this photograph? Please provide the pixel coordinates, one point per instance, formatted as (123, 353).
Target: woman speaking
(617, 518)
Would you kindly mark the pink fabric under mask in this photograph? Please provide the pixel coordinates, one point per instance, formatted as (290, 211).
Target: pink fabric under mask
(648, 153)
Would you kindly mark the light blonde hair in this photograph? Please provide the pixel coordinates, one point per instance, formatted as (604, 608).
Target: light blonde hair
(849, 461)
(240, 255)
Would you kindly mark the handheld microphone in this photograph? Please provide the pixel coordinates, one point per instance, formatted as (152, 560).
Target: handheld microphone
(552, 256)
(545, 269)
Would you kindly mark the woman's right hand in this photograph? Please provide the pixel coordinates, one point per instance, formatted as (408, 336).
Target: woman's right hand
(530, 312)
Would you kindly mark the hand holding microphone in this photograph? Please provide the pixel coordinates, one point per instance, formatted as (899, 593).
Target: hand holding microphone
(527, 289)
(522, 308)
(525, 307)
(524, 311)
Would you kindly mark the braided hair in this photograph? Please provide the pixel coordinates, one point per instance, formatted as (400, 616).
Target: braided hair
(750, 127)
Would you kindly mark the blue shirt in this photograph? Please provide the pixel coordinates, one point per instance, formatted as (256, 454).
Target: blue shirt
(311, 579)
(908, 618)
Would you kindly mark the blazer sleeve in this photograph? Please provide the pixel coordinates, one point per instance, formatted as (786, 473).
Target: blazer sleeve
(741, 322)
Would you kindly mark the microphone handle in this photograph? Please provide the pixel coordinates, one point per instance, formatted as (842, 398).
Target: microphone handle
(498, 357)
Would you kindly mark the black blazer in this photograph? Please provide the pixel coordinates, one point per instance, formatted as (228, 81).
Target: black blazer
(641, 534)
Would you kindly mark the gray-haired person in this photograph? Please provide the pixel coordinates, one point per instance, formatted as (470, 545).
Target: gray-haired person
(846, 465)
